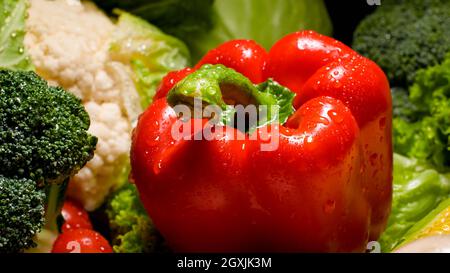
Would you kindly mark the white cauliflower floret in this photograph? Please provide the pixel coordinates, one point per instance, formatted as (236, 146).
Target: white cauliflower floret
(71, 50)
(68, 42)
(93, 182)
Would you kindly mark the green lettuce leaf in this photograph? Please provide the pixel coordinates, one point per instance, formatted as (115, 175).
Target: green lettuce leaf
(204, 24)
(264, 21)
(418, 189)
(423, 130)
(435, 223)
(179, 18)
(149, 51)
(421, 140)
(12, 33)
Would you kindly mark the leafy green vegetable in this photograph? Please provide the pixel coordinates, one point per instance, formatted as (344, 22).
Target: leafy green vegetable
(131, 228)
(224, 87)
(427, 136)
(264, 21)
(403, 36)
(179, 18)
(421, 140)
(204, 24)
(145, 81)
(435, 223)
(418, 189)
(150, 52)
(12, 32)
(431, 87)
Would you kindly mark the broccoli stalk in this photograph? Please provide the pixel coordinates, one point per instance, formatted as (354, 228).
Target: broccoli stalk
(43, 142)
(55, 194)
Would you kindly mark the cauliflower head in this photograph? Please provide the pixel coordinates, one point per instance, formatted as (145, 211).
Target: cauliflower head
(113, 66)
(69, 47)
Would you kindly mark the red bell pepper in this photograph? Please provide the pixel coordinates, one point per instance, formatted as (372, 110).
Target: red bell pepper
(326, 188)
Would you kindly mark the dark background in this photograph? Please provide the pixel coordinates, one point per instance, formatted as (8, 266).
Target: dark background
(345, 16)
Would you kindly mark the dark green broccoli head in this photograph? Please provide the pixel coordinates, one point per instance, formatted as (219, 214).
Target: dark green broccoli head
(131, 228)
(404, 36)
(21, 213)
(43, 129)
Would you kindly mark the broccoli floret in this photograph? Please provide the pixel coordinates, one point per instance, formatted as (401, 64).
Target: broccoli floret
(43, 129)
(43, 142)
(403, 36)
(131, 228)
(21, 213)
(402, 106)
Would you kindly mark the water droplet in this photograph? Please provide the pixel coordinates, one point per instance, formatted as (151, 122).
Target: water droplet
(329, 206)
(21, 50)
(375, 172)
(373, 159)
(323, 120)
(311, 125)
(362, 168)
(14, 35)
(160, 164)
(335, 116)
(382, 122)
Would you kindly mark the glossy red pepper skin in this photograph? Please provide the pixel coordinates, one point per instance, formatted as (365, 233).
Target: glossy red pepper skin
(322, 190)
(297, 56)
(332, 69)
(170, 80)
(244, 56)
